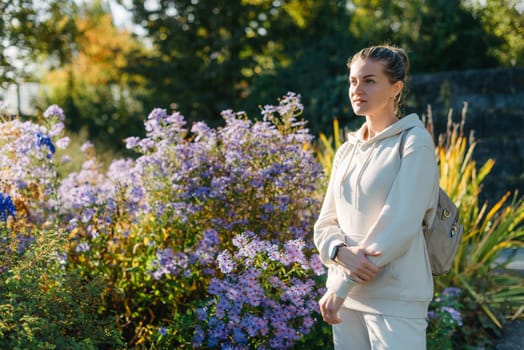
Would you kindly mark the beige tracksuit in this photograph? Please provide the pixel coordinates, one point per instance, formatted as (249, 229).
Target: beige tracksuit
(377, 198)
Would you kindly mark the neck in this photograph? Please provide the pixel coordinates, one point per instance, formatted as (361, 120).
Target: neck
(376, 125)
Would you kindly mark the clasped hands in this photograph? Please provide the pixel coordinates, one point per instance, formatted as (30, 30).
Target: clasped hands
(359, 268)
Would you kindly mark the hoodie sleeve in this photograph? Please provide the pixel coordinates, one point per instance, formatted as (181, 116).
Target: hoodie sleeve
(327, 232)
(413, 192)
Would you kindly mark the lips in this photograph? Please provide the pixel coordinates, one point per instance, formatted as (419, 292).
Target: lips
(359, 101)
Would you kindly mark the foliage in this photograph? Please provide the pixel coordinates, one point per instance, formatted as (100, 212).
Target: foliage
(95, 92)
(504, 19)
(444, 319)
(203, 57)
(328, 146)
(30, 29)
(411, 25)
(316, 54)
(206, 54)
(492, 293)
(151, 233)
(42, 307)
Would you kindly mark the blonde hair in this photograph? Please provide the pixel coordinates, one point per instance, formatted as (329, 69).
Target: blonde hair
(396, 64)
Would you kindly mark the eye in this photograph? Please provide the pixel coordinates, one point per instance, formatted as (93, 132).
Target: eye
(370, 81)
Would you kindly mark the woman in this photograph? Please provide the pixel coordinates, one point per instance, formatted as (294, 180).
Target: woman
(383, 184)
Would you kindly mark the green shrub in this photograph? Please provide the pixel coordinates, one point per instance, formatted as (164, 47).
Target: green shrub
(43, 307)
(492, 292)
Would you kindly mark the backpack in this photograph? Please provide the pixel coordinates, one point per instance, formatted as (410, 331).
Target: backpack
(444, 235)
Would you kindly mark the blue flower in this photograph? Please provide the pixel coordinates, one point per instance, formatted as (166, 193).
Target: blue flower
(44, 140)
(7, 207)
(162, 331)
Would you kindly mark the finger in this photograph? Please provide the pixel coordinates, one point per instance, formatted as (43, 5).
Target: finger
(322, 305)
(372, 252)
(332, 319)
(370, 267)
(356, 278)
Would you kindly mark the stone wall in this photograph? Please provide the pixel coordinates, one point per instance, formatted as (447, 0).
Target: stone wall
(495, 113)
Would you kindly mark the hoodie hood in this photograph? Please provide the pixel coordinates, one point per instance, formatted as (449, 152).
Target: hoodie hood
(409, 121)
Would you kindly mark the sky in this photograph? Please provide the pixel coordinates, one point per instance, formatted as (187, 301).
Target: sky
(121, 17)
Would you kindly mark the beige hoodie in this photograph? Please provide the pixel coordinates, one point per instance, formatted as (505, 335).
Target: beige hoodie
(378, 200)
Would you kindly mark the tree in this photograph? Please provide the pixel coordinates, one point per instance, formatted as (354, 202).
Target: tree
(505, 20)
(31, 30)
(316, 63)
(439, 35)
(207, 53)
(93, 89)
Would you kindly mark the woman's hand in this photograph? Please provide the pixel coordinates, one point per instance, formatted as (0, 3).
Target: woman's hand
(356, 263)
(329, 306)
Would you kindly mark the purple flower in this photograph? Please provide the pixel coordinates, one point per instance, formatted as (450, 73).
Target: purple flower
(56, 111)
(453, 292)
(63, 142)
(56, 129)
(432, 315)
(239, 336)
(82, 247)
(199, 337)
(157, 114)
(61, 258)
(316, 265)
(132, 142)
(86, 147)
(293, 252)
(225, 262)
(455, 314)
(201, 313)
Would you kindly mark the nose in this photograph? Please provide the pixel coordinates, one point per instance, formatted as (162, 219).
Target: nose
(355, 89)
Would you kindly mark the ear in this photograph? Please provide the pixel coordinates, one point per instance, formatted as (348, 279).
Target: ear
(397, 87)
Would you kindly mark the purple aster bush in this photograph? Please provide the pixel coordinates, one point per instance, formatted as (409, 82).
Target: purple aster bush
(27, 168)
(169, 227)
(28, 180)
(204, 235)
(263, 297)
(444, 318)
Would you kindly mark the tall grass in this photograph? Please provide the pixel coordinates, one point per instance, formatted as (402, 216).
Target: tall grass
(494, 293)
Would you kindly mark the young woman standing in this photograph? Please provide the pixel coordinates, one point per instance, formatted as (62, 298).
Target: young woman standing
(369, 232)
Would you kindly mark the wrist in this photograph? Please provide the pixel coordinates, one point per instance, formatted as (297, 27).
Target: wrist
(335, 250)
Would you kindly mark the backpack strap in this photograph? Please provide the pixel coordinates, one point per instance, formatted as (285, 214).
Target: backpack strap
(403, 134)
(403, 140)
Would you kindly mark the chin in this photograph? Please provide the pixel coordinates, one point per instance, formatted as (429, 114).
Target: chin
(359, 112)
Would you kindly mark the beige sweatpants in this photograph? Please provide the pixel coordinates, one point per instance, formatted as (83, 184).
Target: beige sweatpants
(366, 331)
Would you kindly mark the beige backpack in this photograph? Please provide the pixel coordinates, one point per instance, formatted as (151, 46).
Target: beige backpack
(444, 235)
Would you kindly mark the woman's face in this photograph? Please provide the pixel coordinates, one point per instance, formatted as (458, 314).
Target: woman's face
(370, 91)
